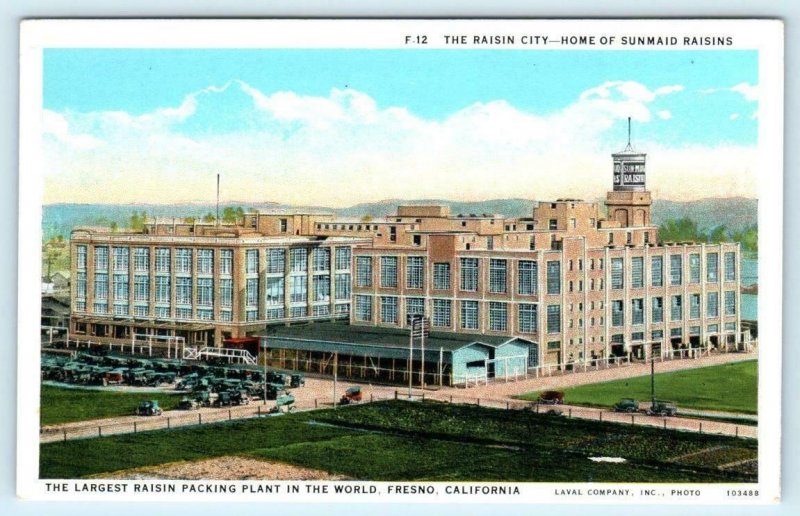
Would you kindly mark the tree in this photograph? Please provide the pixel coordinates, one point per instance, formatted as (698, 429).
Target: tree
(189, 220)
(138, 220)
(366, 218)
(232, 214)
(209, 217)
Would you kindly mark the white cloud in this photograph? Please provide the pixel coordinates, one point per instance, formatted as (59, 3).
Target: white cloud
(734, 116)
(344, 148)
(57, 126)
(748, 91)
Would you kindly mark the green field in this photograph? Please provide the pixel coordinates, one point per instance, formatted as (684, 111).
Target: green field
(728, 387)
(400, 440)
(61, 405)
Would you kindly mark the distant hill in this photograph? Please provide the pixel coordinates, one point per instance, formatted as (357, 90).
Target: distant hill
(59, 219)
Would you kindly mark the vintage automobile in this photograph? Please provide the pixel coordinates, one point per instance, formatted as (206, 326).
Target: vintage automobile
(551, 398)
(626, 405)
(663, 408)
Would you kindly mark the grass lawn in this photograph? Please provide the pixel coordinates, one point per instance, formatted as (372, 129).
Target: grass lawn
(61, 405)
(727, 387)
(405, 441)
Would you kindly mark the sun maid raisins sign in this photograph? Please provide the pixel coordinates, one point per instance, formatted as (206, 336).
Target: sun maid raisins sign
(629, 171)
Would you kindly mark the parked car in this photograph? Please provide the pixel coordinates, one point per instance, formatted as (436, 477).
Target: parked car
(551, 397)
(663, 408)
(626, 405)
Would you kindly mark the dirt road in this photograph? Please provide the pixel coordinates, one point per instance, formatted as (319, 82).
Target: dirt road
(319, 394)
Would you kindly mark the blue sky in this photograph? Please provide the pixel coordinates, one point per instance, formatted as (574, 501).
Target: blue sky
(677, 99)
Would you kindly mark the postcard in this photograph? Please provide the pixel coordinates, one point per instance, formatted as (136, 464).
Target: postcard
(507, 261)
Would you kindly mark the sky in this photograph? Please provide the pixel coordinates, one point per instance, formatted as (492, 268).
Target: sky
(340, 127)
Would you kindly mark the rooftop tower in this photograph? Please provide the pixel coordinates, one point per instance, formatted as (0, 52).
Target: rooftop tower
(629, 201)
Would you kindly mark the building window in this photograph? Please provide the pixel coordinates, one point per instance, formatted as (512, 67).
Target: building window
(637, 272)
(343, 258)
(183, 261)
(251, 261)
(205, 315)
(298, 259)
(80, 257)
(321, 285)
(677, 308)
(528, 318)
(730, 326)
(498, 316)
(226, 262)
(226, 316)
(141, 311)
(162, 260)
(694, 306)
(162, 312)
(554, 277)
(205, 261)
(657, 271)
(617, 274)
(389, 310)
(226, 293)
(469, 274)
(121, 259)
(657, 334)
(275, 291)
(298, 311)
(101, 258)
(637, 311)
(120, 287)
(364, 271)
(141, 288)
(363, 308)
(712, 267)
(552, 224)
(80, 285)
(415, 306)
(342, 308)
(276, 261)
(251, 293)
(675, 332)
(730, 302)
(469, 315)
(183, 313)
(284, 225)
(637, 336)
(712, 328)
(527, 277)
(658, 309)
(321, 258)
(694, 268)
(321, 310)
(415, 272)
(441, 276)
(251, 315)
(342, 285)
(100, 308)
(730, 266)
(298, 288)
(675, 269)
(553, 318)
(141, 262)
(276, 313)
(498, 274)
(205, 292)
(617, 313)
(441, 313)
(712, 304)
(389, 271)
(162, 289)
(183, 291)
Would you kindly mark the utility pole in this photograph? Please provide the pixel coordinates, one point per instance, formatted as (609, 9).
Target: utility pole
(653, 382)
(335, 375)
(410, 355)
(218, 205)
(264, 348)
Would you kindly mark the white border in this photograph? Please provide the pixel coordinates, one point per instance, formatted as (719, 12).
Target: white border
(766, 36)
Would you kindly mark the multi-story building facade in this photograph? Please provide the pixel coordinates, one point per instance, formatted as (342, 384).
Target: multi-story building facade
(577, 282)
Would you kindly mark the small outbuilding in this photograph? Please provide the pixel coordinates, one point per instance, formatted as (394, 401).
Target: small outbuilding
(371, 353)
